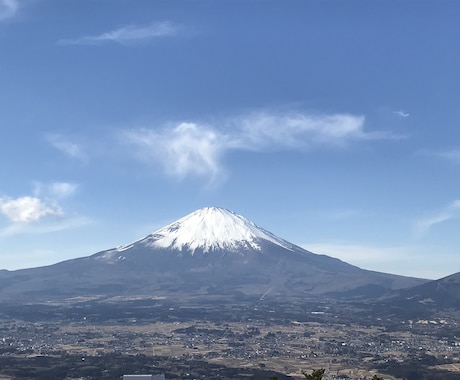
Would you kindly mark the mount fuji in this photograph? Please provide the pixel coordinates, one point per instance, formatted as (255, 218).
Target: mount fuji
(208, 230)
(209, 252)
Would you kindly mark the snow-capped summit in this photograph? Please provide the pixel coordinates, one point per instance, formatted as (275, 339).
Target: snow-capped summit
(209, 229)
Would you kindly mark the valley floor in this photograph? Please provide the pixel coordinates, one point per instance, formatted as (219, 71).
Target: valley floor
(226, 340)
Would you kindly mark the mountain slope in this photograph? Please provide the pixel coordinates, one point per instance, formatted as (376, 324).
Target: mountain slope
(434, 295)
(210, 251)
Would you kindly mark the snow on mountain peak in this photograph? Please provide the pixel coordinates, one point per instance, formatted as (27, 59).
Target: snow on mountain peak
(212, 228)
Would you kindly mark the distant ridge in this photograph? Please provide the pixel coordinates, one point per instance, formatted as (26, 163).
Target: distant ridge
(433, 295)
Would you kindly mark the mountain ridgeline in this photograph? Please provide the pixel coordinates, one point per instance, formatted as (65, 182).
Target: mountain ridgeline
(209, 252)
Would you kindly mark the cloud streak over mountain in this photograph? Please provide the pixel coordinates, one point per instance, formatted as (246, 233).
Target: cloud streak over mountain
(449, 212)
(187, 149)
(194, 149)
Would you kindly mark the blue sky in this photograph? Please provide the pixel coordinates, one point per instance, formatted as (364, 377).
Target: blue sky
(333, 124)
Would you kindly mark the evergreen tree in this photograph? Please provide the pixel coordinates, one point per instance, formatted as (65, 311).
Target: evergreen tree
(317, 374)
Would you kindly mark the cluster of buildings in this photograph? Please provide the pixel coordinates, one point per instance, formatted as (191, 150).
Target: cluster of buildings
(292, 345)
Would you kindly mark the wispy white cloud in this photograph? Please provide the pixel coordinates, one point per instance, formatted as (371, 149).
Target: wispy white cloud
(69, 148)
(18, 228)
(449, 212)
(127, 34)
(401, 113)
(8, 9)
(27, 209)
(450, 155)
(196, 149)
(63, 189)
(265, 131)
(55, 189)
(187, 149)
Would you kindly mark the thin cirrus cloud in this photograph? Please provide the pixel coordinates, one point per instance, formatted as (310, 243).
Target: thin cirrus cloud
(449, 212)
(28, 209)
(451, 155)
(401, 113)
(264, 131)
(62, 189)
(193, 149)
(45, 227)
(57, 190)
(8, 9)
(187, 149)
(126, 35)
(68, 147)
